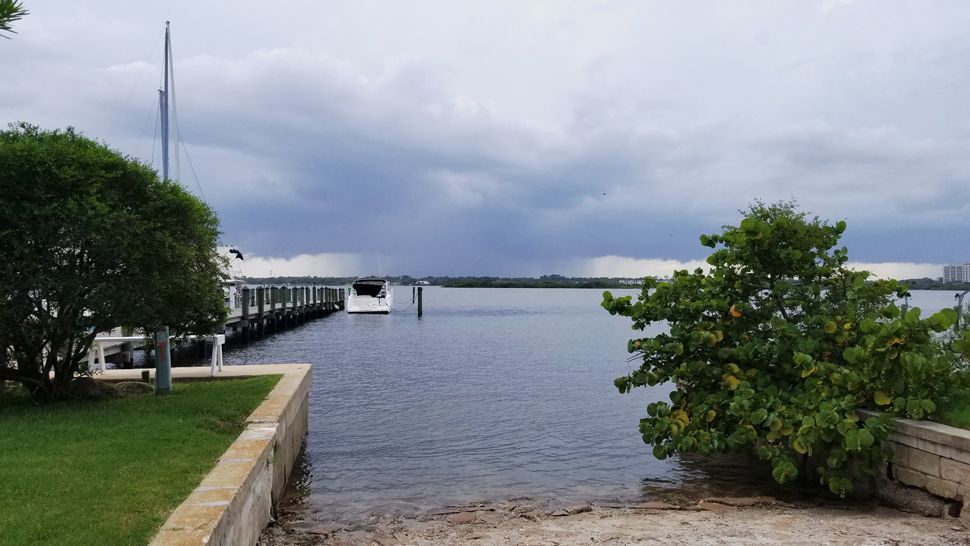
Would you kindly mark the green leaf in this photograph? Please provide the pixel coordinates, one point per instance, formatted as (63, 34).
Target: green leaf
(914, 407)
(944, 319)
(912, 316)
(802, 359)
(840, 486)
(881, 398)
(852, 440)
(622, 384)
(784, 471)
(853, 355)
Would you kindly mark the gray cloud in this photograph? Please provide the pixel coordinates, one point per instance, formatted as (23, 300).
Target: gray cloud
(497, 138)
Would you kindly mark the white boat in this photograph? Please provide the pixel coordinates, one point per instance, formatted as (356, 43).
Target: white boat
(370, 295)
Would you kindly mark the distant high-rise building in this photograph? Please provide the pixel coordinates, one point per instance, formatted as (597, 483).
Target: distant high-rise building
(956, 273)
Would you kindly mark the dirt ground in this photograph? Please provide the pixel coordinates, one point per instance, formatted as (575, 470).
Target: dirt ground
(716, 520)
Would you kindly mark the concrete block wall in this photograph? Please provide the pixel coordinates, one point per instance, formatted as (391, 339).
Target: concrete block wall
(237, 499)
(933, 458)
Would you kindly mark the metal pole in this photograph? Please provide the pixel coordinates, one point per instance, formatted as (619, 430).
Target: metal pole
(163, 96)
(163, 361)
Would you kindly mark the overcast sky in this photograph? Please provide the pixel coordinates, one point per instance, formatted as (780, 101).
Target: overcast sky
(525, 138)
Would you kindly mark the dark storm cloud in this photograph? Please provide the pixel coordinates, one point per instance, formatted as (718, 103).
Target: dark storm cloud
(506, 139)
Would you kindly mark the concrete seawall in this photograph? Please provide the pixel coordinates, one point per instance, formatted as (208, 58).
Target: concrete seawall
(236, 500)
(929, 471)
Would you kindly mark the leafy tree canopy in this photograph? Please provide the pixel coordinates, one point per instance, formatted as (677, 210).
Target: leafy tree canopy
(776, 348)
(10, 11)
(89, 241)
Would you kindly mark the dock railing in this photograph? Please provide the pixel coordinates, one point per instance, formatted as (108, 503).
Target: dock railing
(97, 348)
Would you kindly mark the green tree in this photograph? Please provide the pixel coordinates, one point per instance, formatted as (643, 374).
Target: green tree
(776, 348)
(10, 11)
(89, 241)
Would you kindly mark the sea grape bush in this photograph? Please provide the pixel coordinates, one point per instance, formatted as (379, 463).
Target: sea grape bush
(776, 348)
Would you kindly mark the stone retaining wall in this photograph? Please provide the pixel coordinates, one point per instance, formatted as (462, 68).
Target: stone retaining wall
(236, 500)
(933, 458)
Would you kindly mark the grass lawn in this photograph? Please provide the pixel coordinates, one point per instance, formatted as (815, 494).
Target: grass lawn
(111, 472)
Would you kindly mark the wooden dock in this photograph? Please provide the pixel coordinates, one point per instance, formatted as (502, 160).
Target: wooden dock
(251, 311)
(261, 309)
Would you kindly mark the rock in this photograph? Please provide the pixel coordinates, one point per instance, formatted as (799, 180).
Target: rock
(385, 540)
(655, 505)
(88, 388)
(743, 501)
(134, 388)
(579, 509)
(462, 518)
(715, 507)
(910, 499)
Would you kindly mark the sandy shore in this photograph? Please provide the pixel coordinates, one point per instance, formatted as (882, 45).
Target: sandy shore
(716, 520)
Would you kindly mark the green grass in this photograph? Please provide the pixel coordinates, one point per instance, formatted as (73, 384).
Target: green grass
(956, 412)
(111, 472)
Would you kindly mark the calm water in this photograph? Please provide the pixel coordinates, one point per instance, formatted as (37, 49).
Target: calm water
(493, 394)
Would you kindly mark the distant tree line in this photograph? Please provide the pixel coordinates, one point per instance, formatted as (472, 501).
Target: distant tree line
(301, 281)
(545, 281)
(927, 283)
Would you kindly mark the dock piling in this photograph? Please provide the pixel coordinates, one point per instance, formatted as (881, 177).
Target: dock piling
(260, 310)
(244, 321)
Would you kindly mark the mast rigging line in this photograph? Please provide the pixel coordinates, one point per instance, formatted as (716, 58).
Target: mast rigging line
(154, 137)
(185, 148)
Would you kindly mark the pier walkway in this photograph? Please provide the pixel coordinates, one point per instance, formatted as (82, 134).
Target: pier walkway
(251, 311)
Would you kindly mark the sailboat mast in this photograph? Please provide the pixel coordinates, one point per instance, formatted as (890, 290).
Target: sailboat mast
(163, 105)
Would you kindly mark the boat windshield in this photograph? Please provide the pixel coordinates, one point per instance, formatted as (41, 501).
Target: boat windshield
(373, 289)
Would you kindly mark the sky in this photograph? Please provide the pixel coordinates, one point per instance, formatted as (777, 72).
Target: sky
(595, 138)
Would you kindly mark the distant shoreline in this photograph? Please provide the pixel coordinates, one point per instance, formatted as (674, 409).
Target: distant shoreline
(545, 281)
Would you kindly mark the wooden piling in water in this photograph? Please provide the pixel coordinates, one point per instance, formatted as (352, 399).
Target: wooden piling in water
(261, 310)
(420, 302)
(244, 321)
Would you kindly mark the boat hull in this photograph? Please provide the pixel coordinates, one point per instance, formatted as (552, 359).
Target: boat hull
(368, 308)
(362, 304)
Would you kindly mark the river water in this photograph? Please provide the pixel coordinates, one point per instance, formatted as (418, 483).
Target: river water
(492, 394)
